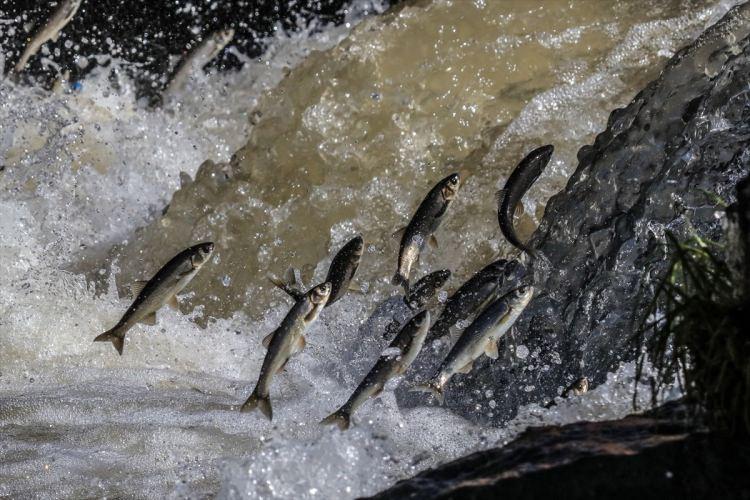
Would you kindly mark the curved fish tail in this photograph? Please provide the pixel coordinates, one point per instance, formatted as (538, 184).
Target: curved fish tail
(257, 401)
(400, 279)
(433, 388)
(114, 336)
(342, 418)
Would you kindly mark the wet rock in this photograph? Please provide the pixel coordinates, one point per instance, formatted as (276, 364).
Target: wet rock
(660, 166)
(640, 456)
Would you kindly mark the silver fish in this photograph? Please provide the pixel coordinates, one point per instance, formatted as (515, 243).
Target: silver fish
(475, 294)
(340, 273)
(425, 222)
(393, 362)
(520, 180)
(162, 289)
(49, 31)
(287, 340)
(197, 59)
(479, 338)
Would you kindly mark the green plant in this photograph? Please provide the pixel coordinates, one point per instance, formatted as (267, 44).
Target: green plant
(694, 331)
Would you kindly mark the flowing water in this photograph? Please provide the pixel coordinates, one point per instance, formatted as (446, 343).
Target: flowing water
(329, 134)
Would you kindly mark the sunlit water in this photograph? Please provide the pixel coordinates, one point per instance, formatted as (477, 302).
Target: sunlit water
(347, 141)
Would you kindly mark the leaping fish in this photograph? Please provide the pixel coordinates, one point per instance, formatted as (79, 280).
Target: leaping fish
(479, 338)
(158, 291)
(520, 180)
(475, 294)
(50, 31)
(394, 361)
(197, 59)
(340, 273)
(425, 222)
(287, 340)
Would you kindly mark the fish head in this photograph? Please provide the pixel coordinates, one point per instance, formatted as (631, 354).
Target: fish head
(582, 385)
(319, 295)
(537, 161)
(422, 320)
(358, 245)
(450, 186)
(201, 253)
(521, 296)
(441, 276)
(223, 37)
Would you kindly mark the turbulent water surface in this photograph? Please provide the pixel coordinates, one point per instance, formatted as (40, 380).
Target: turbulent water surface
(328, 135)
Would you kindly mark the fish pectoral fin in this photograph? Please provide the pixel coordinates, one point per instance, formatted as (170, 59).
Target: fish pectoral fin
(149, 319)
(268, 338)
(518, 210)
(500, 197)
(399, 233)
(284, 286)
(137, 287)
(491, 349)
(433, 242)
(354, 288)
(467, 368)
(299, 344)
(377, 392)
(172, 302)
(283, 365)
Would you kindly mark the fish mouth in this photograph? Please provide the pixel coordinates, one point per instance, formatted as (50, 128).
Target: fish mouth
(450, 188)
(359, 245)
(201, 256)
(320, 294)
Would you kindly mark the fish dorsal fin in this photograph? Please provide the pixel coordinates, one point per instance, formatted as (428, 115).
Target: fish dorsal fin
(500, 197)
(172, 302)
(149, 319)
(137, 287)
(292, 277)
(491, 349)
(285, 287)
(399, 233)
(433, 242)
(185, 179)
(299, 344)
(467, 368)
(268, 338)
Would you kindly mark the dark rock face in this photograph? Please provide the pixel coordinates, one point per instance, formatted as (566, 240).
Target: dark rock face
(658, 167)
(649, 456)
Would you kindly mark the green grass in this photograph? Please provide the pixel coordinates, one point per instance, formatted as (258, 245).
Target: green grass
(694, 332)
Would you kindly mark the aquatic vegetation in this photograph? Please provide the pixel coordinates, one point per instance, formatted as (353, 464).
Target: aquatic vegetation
(695, 334)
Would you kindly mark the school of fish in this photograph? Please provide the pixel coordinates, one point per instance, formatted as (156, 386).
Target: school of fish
(492, 299)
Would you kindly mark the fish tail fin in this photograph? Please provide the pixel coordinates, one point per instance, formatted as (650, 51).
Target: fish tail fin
(340, 417)
(115, 336)
(257, 401)
(433, 388)
(400, 279)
